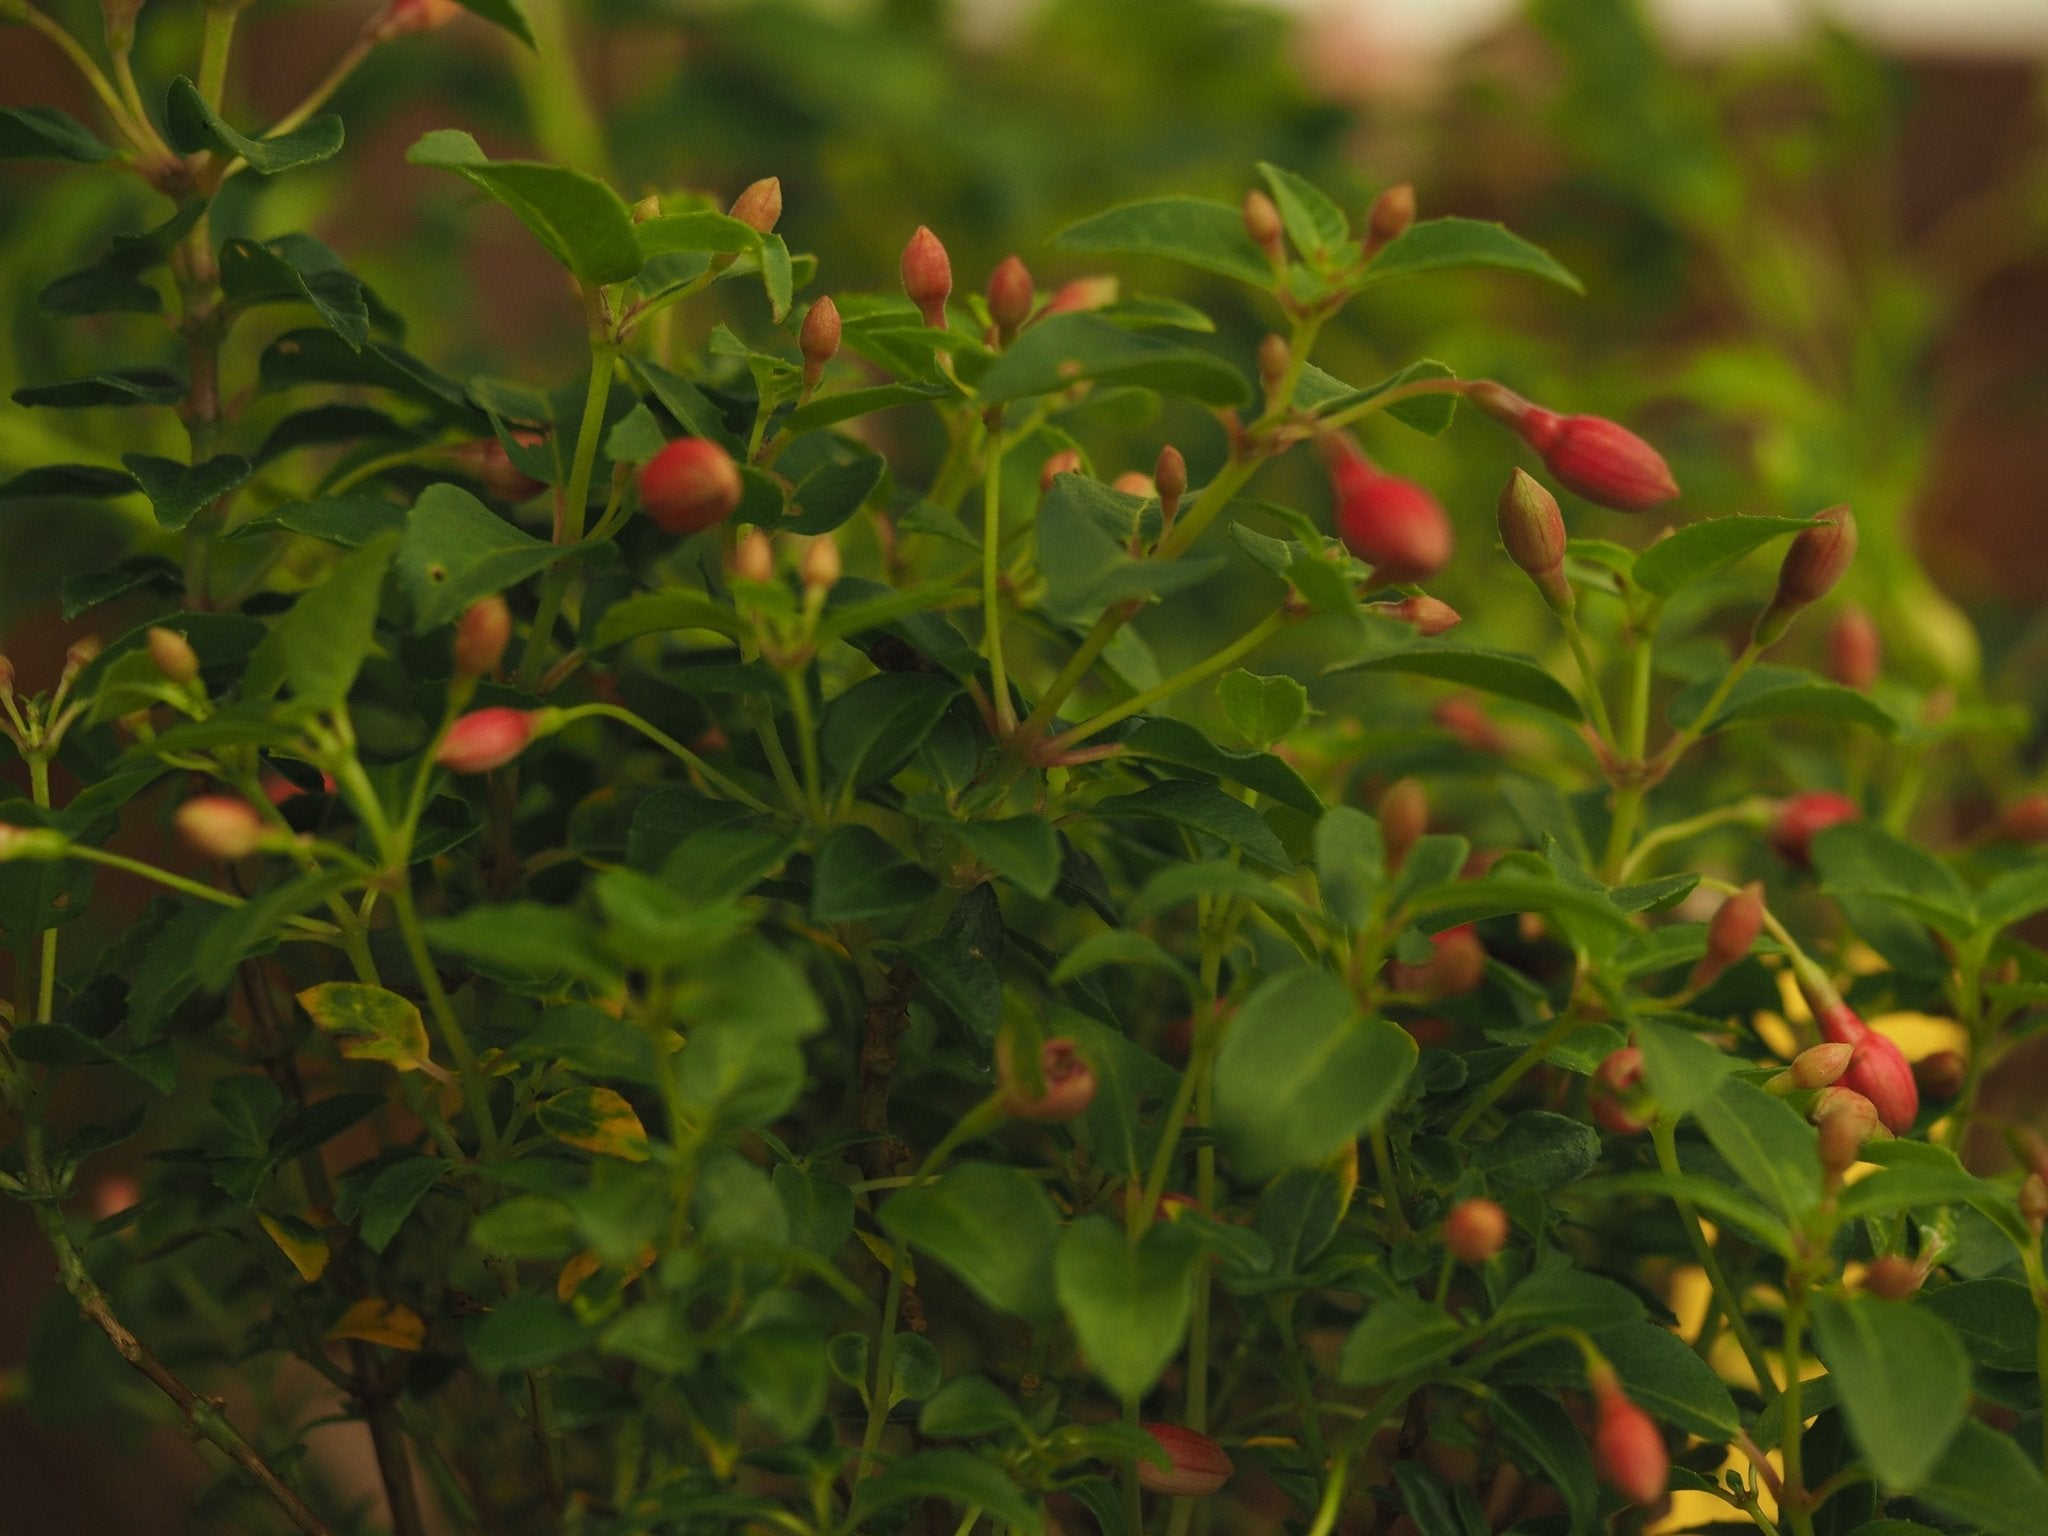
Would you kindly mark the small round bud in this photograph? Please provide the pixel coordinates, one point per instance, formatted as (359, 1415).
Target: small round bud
(173, 655)
(1430, 616)
(1475, 1230)
(1275, 358)
(485, 739)
(81, 654)
(1457, 965)
(760, 205)
(1532, 531)
(2025, 820)
(1815, 562)
(689, 486)
(1083, 293)
(1617, 1084)
(753, 557)
(1855, 651)
(481, 637)
(1802, 817)
(1066, 462)
(1262, 223)
(1069, 1086)
(1170, 475)
(820, 567)
(1846, 1120)
(927, 276)
(1134, 482)
(1892, 1277)
(1388, 220)
(1628, 1450)
(1197, 1466)
(1010, 295)
(1730, 934)
(649, 207)
(1941, 1076)
(220, 826)
(818, 338)
(1404, 817)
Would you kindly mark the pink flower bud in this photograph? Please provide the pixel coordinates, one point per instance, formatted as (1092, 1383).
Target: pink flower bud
(1846, 1120)
(481, 637)
(928, 276)
(1941, 1076)
(1855, 651)
(1627, 1447)
(1010, 295)
(1170, 475)
(1815, 562)
(1066, 462)
(1879, 1071)
(485, 739)
(1801, 817)
(1599, 459)
(1532, 531)
(1475, 1230)
(818, 338)
(1134, 482)
(1083, 293)
(1198, 1465)
(1456, 966)
(689, 486)
(1404, 817)
(1262, 223)
(1069, 1082)
(1431, 616)
(760, 205)
(1616, 1081)
(403, 17)
(1393, 525)
(173, 655)
(1819, 1066)
(1388, 219)
(1734, 929)
(820, 566)
(220, 826)
(1892, 1277)
(753, 557)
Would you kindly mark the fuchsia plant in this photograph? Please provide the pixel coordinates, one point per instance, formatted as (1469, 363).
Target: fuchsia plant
(725, 973)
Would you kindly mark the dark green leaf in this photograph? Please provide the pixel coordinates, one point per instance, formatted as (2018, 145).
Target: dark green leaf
(1203, 809)
(1443, 245)
(44, 133)
(1401, 1334)
(1539, 1150)
(1074, 348)
(582, 222)
(178, 491)
(1497, 672)
(456, 550)
(1902, 1379)
(1703, 549)
(1192, 231)
(1987, 1482)
(858, 875)
(320, 645)
(1763, 1139)
(129, 386)
(296, 269)
(992, 1226)
(193, 126)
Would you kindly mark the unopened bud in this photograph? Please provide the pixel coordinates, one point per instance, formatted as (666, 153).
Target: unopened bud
(927, 276)
(1892, 1277)
(691, 485)
(1815, 562)
(1878, 1070)
(1066, 462)
(2025, 820)
(1275, 358)
(1598, 459)
(1068, 1082)
(1392, 212)
(1262, 223)
(173, 655)
(1134, 482)
(1855, 652)
(81, 654)
(1196, 1465)
(1457, 965)
(220, 826)
(1475, 1230)
(481, 637)
(1430, 616)
(760, 206)
(649, 207)
(1532, 531)
(1628, 1449)
(1393, 525)
(1404, 817)
(1170, 475)
(820, 567)
(1801, 818)
(2034, 1201)
(1730, 934)
(1819, 1066)
(1941, 1076)
(1846, 1120)
(403, 17)
(485, 739)
(1467, 719)
(1617, 1092)
(753, 557)
(1010, 295)
(818, 338)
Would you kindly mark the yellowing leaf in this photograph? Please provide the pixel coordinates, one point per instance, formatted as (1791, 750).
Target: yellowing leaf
(370, 1023)
(574, 1273)
(888, 1256)
(597, 1120)
(300, 1243)
(375, 1321)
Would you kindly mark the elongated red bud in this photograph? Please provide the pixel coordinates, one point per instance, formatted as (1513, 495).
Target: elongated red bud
(1628, 1449)
(1855, 650)
(928, 276)
(1532, 531)
(1170, 474)
(1941, 1076)
(760, 206)
(753, 557)
(1879, 1071)
(1456, 966)
(1197, 1466)
(220, 826)
(689, 486)
(485, 739)
(1010, 295)
(402, 17)
(1388, 220)
(1598, 459)
(1801, 818)
(1404, 817)
(1734, 929)
(1617, 1088)
(1262, 223)
(1467, 719)
(173, 655)
(1815, 562)
(481, 637)
(1475, 1230)
(1069, 1086)
(818, 339)
(1892, 1276)
(1083, 293)
(1396, 527)
(1430, 616)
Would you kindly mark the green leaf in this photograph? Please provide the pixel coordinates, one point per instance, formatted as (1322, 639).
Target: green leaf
(1436, 1507)
(350, 521)
(661, 613)
(832, 492)
(1995, 1319)
(1539, 1150)
(1084, 532)
(1560, 1296)
(2012, 896)
(456, 550)
(193, 126)
(1401, 1334)
(1428, 413)
(177, 491)
(1857, 858)
(1203, 809)
(955, 1476)
(1989, 1483)
(1351, 859)
(523, 1333)
(781, 1369)
(819, 1210)
(859, 875)
(524, 943)
(113, 285)
(1316, 225)
(966, 1408)
(1545, 1440)
(1683, 1071)
(505, 14)
(1902, 1379)
(826, 410)
(1780, 693)
(1444, 245)
(1262, 710)
(582, 222)
(1496, 672)
(1301, 1071)
(876, 726)
(320, 645)
(1129, 1306)
(1192, 231)
(371, 1023)
(1669, 1381)
(1175, 741)
(296, 269)
(44, 133)
(1021, 849)
(120, 386)
(992, 1226)
(1069, 349)
(89, 482)
(391, 1196)
(1763, 1139)
(1704, 549)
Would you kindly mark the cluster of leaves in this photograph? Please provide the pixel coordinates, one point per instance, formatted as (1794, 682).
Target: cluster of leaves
(869, 1055)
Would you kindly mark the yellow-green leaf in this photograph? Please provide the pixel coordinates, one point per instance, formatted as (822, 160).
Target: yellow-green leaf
(376, 1321)
(370, 1023)
(597, 1120)
(300, 1243)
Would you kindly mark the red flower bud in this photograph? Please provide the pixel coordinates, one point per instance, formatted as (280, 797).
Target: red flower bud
(1599, 459)
(1388, 219)
(1475, 1230)
(1134, 482)
(1734, 929)
(1878, 1070)
(220, 826)
(1069, 1082)
(173, 655)
(1197, 1465)
(1010, 294)
(1815, 562)
(1083, 293)
(402, 17)
(1532, 531)
(1393, 525)
(1855, 652)
(1066, 462)
(818, 338)
(1801, 817)
(928, 276)
(1617, 1080)
(689, 486)
(1467, 720)
(1431, 616)
(485, 739)
(1628, 1449)
(1404, 817)
(1892, 1276)
(1457, 965)
(760, 205)
(1941, 1076)
(1262, 223)
(2025, 820)
(481, 637)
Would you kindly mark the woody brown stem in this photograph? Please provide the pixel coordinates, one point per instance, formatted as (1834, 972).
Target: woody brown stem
(883, 1024)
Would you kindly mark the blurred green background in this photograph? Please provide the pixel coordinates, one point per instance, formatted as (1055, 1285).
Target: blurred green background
(1817, 266)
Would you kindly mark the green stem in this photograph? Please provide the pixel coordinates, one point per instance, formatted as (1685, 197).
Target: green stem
(1682, 741)
(216, 42)
(777, 755)
(138, 134)
(1664, 1137)
(1588, 678)
(474, 1093)
(46, 973)
(575, 504)
(1756, 810)
(991, 580)
(674, 748)
(1795, 1500)
(1266, 628)
(1134, 1501)
(1354, 1441)
(1513, 1073)
(1078, 665)
(1635, 730)
(806, 744)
